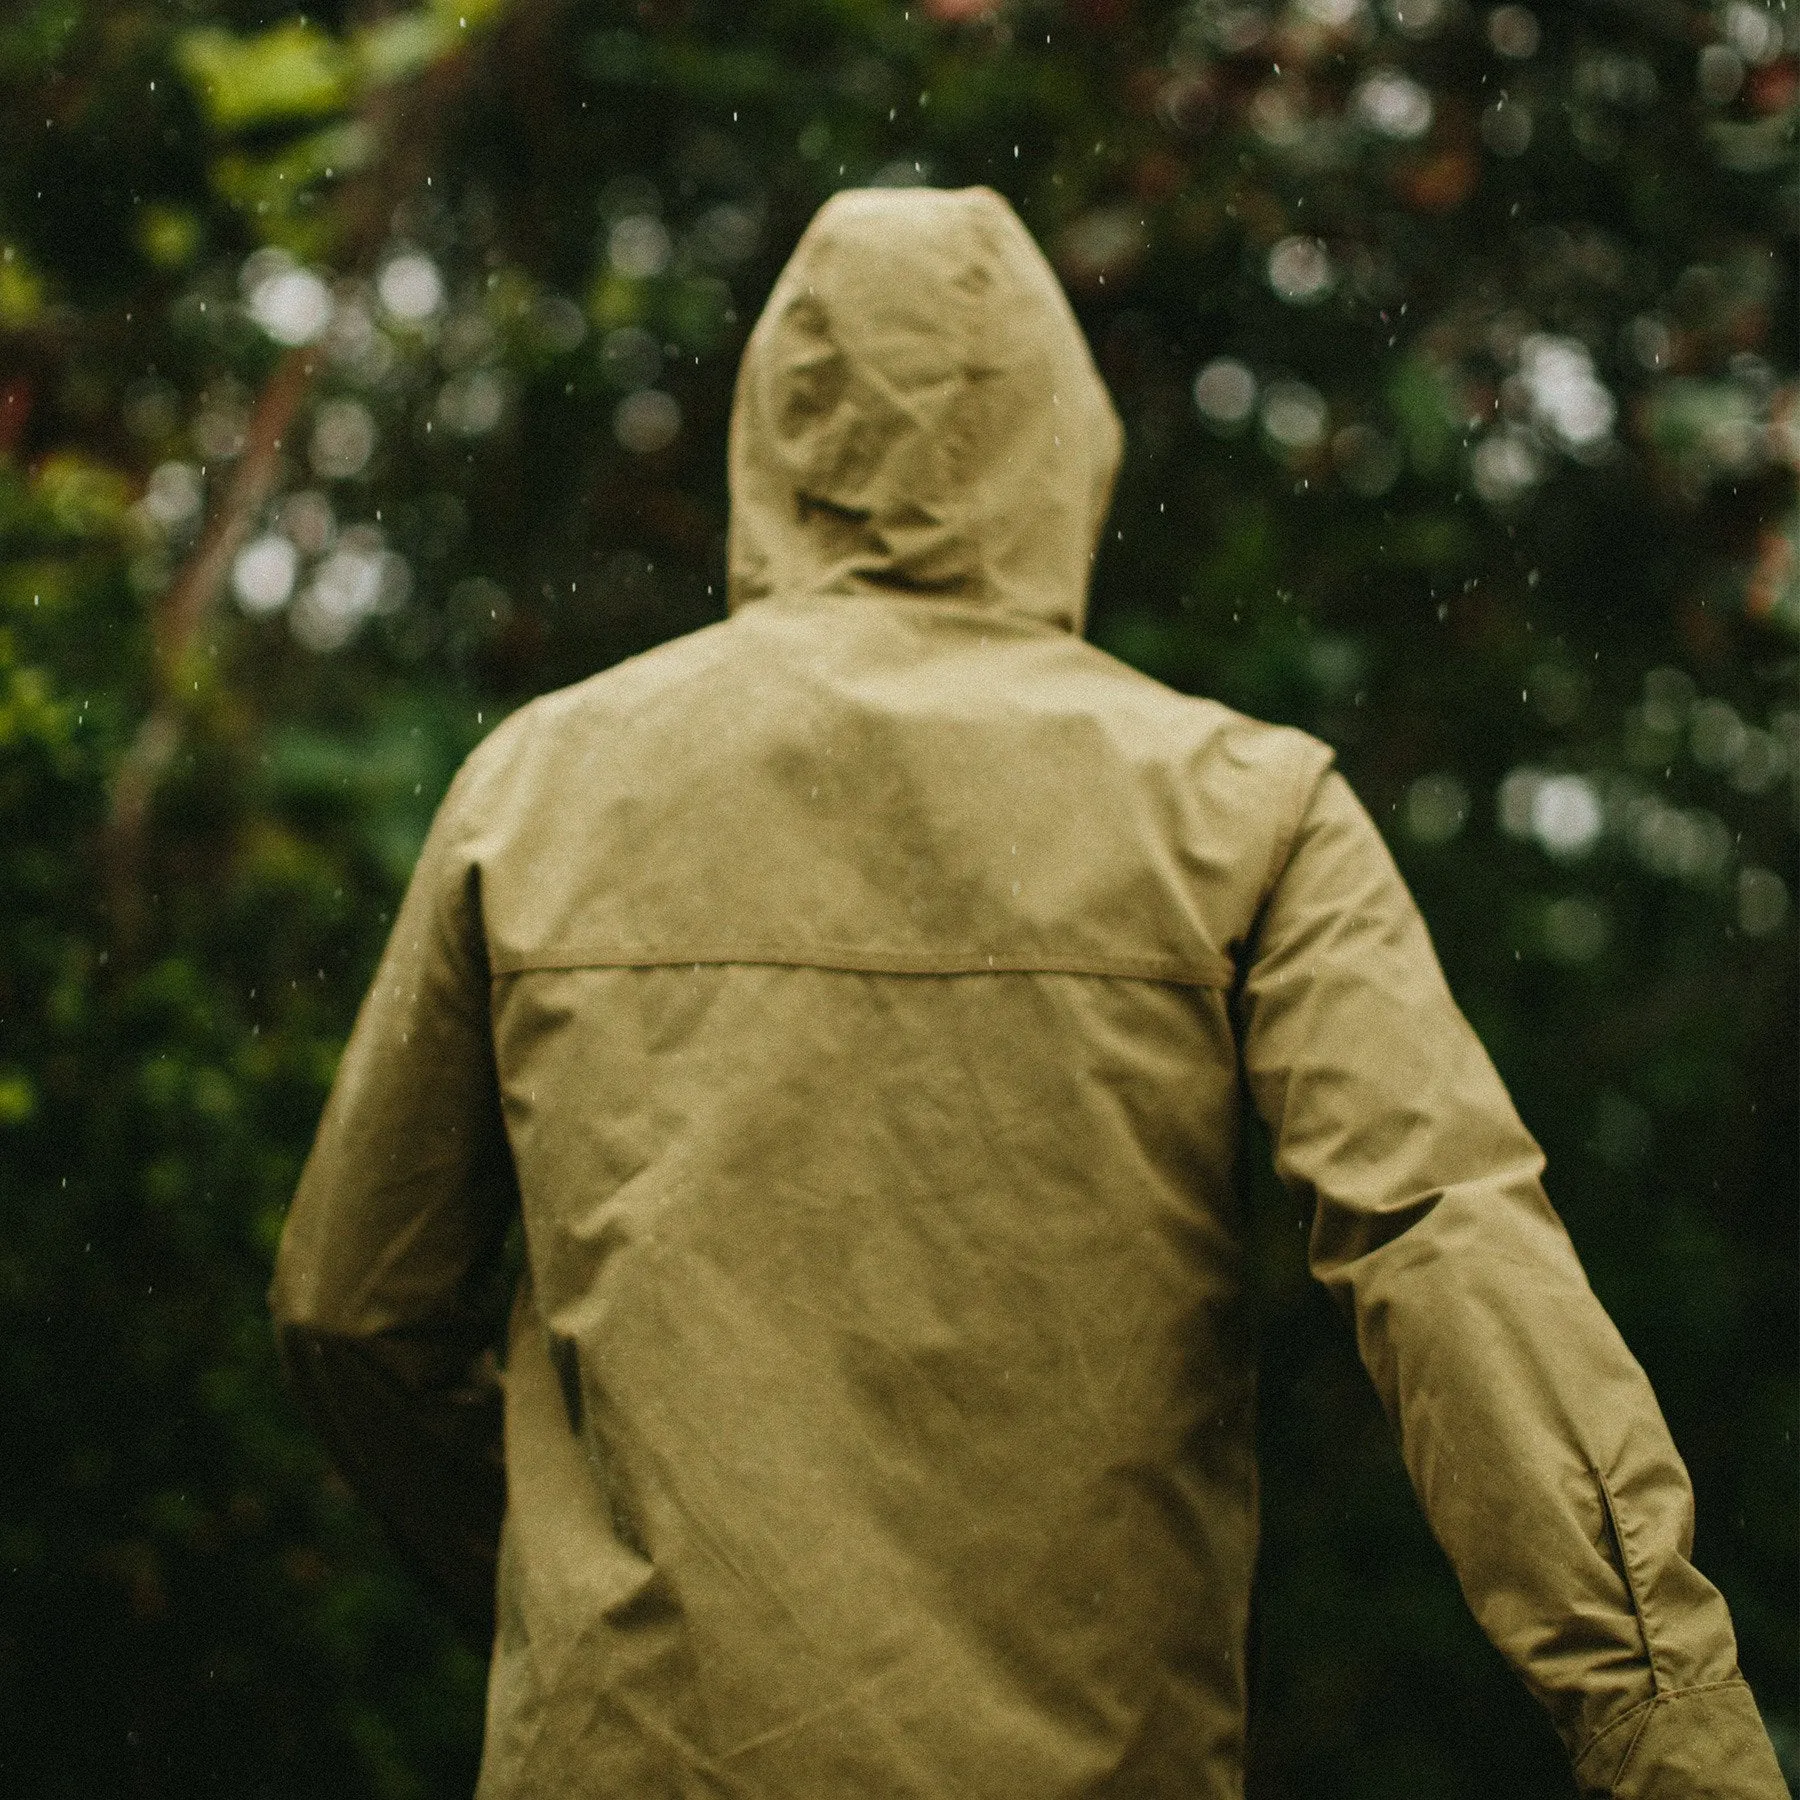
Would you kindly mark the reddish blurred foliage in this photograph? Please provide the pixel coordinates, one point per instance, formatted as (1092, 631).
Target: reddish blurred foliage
(961, 12)
(15, 410)
(1440, 183)
(1773, 87)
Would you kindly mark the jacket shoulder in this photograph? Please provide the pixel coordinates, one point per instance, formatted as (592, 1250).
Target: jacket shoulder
(1200, 726)
(520, 744)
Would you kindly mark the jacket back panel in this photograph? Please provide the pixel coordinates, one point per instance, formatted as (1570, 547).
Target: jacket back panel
(879, 1409)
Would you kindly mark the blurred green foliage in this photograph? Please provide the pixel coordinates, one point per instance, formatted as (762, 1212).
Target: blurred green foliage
(1455, 345)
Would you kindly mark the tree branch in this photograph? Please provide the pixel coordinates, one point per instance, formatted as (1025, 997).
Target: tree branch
(409, 122)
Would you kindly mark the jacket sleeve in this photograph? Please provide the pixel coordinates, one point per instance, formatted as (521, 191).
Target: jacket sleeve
(385, 1288)
(1531, 1435)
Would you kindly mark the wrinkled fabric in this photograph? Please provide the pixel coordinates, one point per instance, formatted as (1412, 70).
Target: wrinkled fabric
(854, 1000)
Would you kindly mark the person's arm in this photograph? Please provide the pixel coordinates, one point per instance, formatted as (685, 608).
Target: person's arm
(383, 1294)
(1531, 1435)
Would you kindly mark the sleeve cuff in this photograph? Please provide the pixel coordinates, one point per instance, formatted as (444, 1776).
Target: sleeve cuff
(1693, 1743)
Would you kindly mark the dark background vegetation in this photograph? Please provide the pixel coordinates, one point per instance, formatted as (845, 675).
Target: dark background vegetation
(364, 371)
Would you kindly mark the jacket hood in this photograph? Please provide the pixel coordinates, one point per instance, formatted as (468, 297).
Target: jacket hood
(917, 412)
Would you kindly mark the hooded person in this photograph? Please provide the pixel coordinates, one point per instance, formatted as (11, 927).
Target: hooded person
(852, 999)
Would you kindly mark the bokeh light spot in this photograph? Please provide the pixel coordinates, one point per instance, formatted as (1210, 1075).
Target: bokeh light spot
(1513, 31)
(174, 495)
(1225, 393)
(1436, 808)
(1301, 270)
(647, 421)
(1575, 928)
(343, 440)
(1762, 902)
(1394, 105)
(638, 247)
(262, 574)
(410, 286)
(1294, 416)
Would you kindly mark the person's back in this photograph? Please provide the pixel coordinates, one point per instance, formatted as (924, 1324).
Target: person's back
(858, 993)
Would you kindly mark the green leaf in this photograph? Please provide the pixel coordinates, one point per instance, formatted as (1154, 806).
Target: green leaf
(21, 289)
(402, 45)
(270, 188)
(84, 498)
(1421, 401)
(292, 71)
(169, 235)
(18, 1097)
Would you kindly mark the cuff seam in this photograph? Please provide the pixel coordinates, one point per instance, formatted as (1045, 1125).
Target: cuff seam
(1640, 1715)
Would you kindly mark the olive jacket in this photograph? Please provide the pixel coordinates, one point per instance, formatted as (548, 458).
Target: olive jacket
(853, 999)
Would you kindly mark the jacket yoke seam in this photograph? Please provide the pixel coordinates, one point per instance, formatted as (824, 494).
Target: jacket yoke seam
(835, 959)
